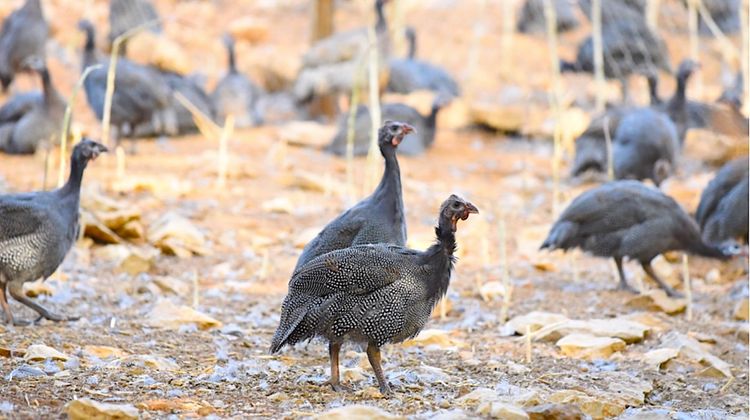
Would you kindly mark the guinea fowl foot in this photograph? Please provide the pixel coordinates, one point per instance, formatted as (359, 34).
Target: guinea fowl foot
(386, 390)
(628, 288)
(338, 387)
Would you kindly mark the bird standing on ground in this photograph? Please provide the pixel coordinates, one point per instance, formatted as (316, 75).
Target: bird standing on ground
(378, 218)
(627, 219)
(406, 75)
(723, 210)
(23, 36)
(32, 119)
(37, 230)
(235, 94)
(373, 294)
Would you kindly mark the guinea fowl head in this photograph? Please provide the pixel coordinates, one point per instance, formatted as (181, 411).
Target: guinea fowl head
(87, 150)
(392, 133)
(87, 27)
(687, 67)
(455, 208)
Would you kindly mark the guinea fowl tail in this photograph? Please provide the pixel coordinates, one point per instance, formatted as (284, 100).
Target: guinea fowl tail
(287, 326)
(559, 235)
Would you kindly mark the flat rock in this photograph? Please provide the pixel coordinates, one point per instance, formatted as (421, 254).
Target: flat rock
(656, 358)
(434, 337)
(588, 346)
(492, 290)
(307, 134)
(693, 350)
(85, 409)
(498, 410)
(535, 321)
(160, 51)
(555, 412)
(176, 235)
(104, 352)
(741, 310)
(626, 330)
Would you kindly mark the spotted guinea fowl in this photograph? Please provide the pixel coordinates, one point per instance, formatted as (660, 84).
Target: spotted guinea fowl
(140, 95)
(23, 36)
(374, 294)
(414, 144)
(378, 218)
(645, 146)
(627, 219)
(628, 47)
(329, 66)
(406, 75)
(32, 119)
(722, 213)
(531, 18)
(235, 94)
(37, 230)
(125, 15)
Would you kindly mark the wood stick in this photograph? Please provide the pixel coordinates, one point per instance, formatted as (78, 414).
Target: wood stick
(610, 156)
(351, 120)
(688, 287)
(596, 33)
(375, 117)
(226, 133)
(652, 14)
(66, 122)
(555, 100)
(528, 344)
(111, 74)
(505, 273)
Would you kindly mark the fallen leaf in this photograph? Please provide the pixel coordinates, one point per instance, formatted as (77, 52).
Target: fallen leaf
(434, 337)
(626, 330)
(657, 300)
(589, 347)
(166, 314)
(176, 235)
(492, 290)
(656, 358)
(84, 409)
(37, 288)
(39, 352)
(279, 205)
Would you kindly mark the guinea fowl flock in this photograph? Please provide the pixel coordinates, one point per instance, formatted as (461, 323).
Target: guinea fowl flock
(356, 281)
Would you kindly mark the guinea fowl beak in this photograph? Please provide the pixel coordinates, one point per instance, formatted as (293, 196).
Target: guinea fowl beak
(99, 149)
(405, 130)
(470, 208)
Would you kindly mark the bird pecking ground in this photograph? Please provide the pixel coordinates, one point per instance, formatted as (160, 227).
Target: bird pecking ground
(188, 335)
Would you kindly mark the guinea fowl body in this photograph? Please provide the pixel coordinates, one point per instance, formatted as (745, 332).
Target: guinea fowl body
(723, 210)
(125, 15)
(645, 146)
(413, 144)
(628, 47)
(406, 75)
(531, 18)
(32, 119)
(23, 36)
(140, 95)
(628, 219)
(591, 145)
(37, 230)
(378, 218)
(373, 294)
(235, 94)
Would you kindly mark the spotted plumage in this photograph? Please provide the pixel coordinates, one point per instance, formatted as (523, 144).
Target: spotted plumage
(37, 230)
(374, 293)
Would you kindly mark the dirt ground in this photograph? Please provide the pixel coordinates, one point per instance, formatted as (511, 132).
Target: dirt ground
(253, 231)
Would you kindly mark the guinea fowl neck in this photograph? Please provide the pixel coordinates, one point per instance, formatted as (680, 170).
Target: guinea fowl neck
(698, 247)
(411, 38)
(72, 188)
(231, 63)
(678, 99)
(390, 183)
(653, 90)
(33, 6)
(89, 55)
(50, 94)
(430, 124)
(380, 24)
(440, 258)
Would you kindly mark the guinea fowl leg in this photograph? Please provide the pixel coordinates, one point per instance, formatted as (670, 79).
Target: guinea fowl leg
(623, 283)
(16, 290)
(650, 271)
(333, 352)
(373, 355)
(4, 301)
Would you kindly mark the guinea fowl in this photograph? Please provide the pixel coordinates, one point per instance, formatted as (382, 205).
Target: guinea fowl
(374, 294)
(235, 94)
(31, 119)
(532, 20)
(330, 64)
(676, 107)
(591, 145)
(722, 117)
(722, 213)
(725, 13)
(406, 75)
(414, 144)
(378, 218)
(140, 96)
(23, 36)
(645, 146)
(37, 230)
(125, 15)
(190, 90)
(616, 10)
(628, 219)
(628, 47)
